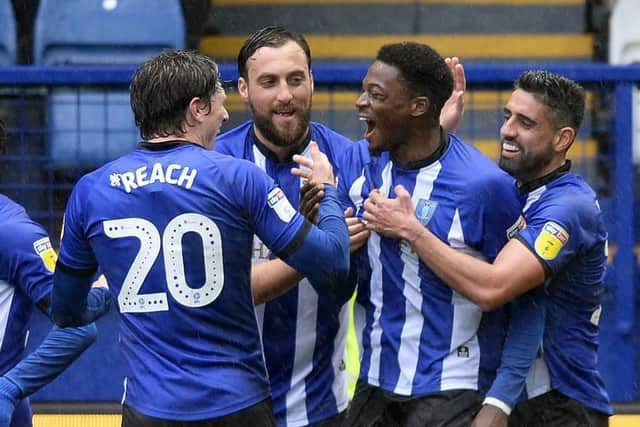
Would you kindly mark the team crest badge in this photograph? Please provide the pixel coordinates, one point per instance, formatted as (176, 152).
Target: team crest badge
(45, 251)
(425, 210)
(551, 240)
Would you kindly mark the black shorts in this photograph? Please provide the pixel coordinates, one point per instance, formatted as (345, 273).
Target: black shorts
(554, 409)
(259, 415)
(335, 421)
(372, 406)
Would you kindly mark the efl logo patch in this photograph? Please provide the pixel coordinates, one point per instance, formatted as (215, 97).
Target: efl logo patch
(280, 204)
(551, 239)
(518, 226)
(45, 251)
(425, 210)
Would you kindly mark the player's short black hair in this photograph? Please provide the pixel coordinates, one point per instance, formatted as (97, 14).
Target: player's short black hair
(3, 137)
(423, 70)
(163, 87)
(272, 36)
(563, 96)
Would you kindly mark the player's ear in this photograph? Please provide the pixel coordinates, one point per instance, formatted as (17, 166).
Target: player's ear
(194, 111)
(419, 105)
(565, 138)
(243, 89)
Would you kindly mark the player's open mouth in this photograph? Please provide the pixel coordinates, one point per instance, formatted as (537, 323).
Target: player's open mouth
(285, 113)
(510, 149)
(371, 126)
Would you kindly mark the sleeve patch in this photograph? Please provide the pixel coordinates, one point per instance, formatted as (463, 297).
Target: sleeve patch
(45, 251)
(281, 205)
(551, 240)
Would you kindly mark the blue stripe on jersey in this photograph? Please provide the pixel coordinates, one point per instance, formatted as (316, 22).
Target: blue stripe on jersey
(304, 330)
(419, 336)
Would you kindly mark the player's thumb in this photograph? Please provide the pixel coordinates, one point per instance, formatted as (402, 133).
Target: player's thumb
(402, 194)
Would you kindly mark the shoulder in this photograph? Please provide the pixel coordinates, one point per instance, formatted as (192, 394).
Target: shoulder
(323, 134)
(480, 172)
(569, 199)
(19, 233)
(232, 141)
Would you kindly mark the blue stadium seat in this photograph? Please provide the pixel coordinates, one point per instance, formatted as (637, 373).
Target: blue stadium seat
(7, 34)
(93, 126)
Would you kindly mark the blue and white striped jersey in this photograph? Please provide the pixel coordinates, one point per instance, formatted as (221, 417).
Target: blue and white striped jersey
(565, 230)
(26, 276)
(418, 336)
(172, 227)
(304, 330)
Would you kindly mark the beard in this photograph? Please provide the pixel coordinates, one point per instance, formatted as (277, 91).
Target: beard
(282, 138)
(527, 165)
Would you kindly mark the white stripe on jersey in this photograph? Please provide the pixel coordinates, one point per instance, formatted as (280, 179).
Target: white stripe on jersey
(409, 350)
(6, 298)
(303, 354)
(339, 360)
(359, 322)
(461, 367)
(373, 249)
(533, 197)
(538, 381)
(355, 193)
(259, 159)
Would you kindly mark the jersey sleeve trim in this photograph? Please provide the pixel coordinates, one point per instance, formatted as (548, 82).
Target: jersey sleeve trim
(545, 266)
(297, 240)
(82, 272)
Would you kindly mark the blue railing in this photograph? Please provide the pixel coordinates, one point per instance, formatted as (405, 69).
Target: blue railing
(32, 174)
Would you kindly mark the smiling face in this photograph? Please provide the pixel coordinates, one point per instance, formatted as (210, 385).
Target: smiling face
(528, 137)
(385, 106)
(278, 90)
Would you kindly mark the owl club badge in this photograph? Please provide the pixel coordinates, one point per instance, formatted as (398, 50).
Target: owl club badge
(551, 239)
(45, 251)
(425, 210)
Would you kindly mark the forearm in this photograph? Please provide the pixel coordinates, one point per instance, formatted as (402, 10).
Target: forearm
(58, 350)
(270, 279)
(74, 302)
(472, 277)
(524, 338)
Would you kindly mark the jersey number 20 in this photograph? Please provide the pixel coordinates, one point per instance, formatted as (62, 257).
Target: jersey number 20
(130, 300)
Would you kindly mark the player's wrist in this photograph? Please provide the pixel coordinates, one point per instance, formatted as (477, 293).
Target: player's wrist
(498, 404)
(9, 389)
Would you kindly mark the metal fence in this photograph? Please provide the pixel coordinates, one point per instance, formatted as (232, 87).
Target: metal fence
(65, 121)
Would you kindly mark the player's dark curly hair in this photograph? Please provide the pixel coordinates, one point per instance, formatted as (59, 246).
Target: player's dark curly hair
(273, 36)
(563, 96)
(163, 87)
(423, 69)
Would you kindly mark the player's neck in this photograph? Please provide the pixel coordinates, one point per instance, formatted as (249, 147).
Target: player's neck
(421, 145)
(282, 153)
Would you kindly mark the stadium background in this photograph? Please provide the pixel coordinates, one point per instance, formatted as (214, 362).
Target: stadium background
(68, 112)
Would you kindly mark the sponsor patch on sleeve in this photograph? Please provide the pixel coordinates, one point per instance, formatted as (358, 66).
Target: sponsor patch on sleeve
(551, 240)
(45, 251)
(281, 205)
(517, 226)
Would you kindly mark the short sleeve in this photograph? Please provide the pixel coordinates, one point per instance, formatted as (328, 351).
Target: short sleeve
(27, 258)
(555, 233)
(273, 219)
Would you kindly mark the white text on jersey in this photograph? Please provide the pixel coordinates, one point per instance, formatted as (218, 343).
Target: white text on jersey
(174, 174)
